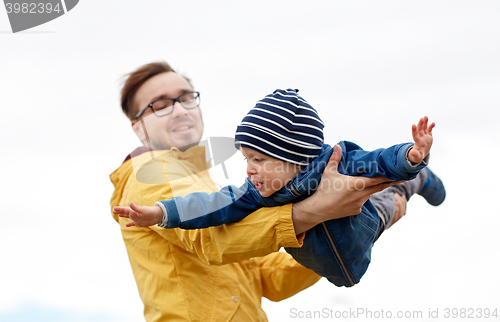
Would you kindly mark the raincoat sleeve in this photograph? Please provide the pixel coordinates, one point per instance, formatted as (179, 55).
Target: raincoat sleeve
(262, 232)
(282, 277)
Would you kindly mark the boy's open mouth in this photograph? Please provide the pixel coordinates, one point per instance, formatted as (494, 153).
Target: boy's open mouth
(257, 185)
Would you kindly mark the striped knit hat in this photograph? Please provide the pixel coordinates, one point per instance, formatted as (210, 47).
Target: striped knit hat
(284, 126)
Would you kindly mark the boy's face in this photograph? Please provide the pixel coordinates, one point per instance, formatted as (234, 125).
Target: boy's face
(267, 173)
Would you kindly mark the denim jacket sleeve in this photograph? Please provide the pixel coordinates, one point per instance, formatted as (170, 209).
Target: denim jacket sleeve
(202, 210)
(391, 163)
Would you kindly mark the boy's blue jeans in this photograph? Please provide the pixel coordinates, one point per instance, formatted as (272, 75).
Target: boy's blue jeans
(340, 249)
(329, 251)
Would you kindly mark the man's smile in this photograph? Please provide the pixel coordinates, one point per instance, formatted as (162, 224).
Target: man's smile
(182, 127)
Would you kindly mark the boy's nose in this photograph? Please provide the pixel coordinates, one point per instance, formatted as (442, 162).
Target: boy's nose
(250, 169)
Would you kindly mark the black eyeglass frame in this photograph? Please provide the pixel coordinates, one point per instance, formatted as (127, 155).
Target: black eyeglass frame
(150, 105)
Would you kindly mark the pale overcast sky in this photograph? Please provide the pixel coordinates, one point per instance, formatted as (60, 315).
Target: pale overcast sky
(371, 69)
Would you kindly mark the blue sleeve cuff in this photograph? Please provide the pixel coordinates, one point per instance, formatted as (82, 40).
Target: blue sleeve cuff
(171, 217)
(424, 162)
(407, 168)
(164, 221)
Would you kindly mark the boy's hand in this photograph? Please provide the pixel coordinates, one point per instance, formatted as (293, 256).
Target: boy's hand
(141, 216)
(422, 135)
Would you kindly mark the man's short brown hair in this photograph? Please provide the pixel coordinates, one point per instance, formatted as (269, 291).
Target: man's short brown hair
(136, 79)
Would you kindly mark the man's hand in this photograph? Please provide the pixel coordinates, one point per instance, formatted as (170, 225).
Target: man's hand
(337, 196)
(400, 208)
(141, 216)
(422, 136)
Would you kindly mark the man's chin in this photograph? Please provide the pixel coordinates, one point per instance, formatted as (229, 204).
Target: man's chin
(187, 146)
(181, 146)
(185, 143)
(186, 139)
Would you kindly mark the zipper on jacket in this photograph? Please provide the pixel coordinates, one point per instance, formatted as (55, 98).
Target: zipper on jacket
(294, 191)
(337, 254)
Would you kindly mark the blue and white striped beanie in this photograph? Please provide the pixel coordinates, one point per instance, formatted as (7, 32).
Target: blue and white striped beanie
(284, 126)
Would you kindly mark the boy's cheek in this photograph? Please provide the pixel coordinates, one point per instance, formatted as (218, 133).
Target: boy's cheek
(268, 166)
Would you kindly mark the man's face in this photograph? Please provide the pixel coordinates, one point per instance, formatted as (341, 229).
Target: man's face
(182, 128)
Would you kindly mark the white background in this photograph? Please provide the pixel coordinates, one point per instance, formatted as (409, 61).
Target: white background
(370, 68)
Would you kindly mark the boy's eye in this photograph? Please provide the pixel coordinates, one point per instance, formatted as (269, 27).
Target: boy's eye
(254, 159)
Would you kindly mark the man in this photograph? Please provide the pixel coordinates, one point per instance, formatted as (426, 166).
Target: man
(214, 274)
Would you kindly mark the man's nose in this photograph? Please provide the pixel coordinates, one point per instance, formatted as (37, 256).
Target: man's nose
(179, 110)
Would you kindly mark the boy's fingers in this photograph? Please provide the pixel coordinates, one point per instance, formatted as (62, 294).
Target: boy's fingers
(421, 127)
(130, 224)
(121, 210)
(117, 210)
(414, 132)
(134, 207)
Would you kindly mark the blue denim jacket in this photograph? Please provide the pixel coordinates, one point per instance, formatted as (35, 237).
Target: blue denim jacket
(338, 249)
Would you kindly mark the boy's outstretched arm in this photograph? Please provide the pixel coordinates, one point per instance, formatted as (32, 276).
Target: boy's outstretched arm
(422, 136)
(337, 196)
(141, 216)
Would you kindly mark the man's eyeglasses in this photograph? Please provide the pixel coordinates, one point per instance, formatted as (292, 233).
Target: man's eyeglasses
(165, 106)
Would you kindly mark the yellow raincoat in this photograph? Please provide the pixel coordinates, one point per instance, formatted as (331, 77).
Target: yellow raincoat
(212, 274)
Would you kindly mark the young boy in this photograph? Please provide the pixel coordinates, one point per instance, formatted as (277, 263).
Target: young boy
(282, 140)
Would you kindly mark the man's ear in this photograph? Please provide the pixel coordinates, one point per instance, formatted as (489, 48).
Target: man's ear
(139, 131)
